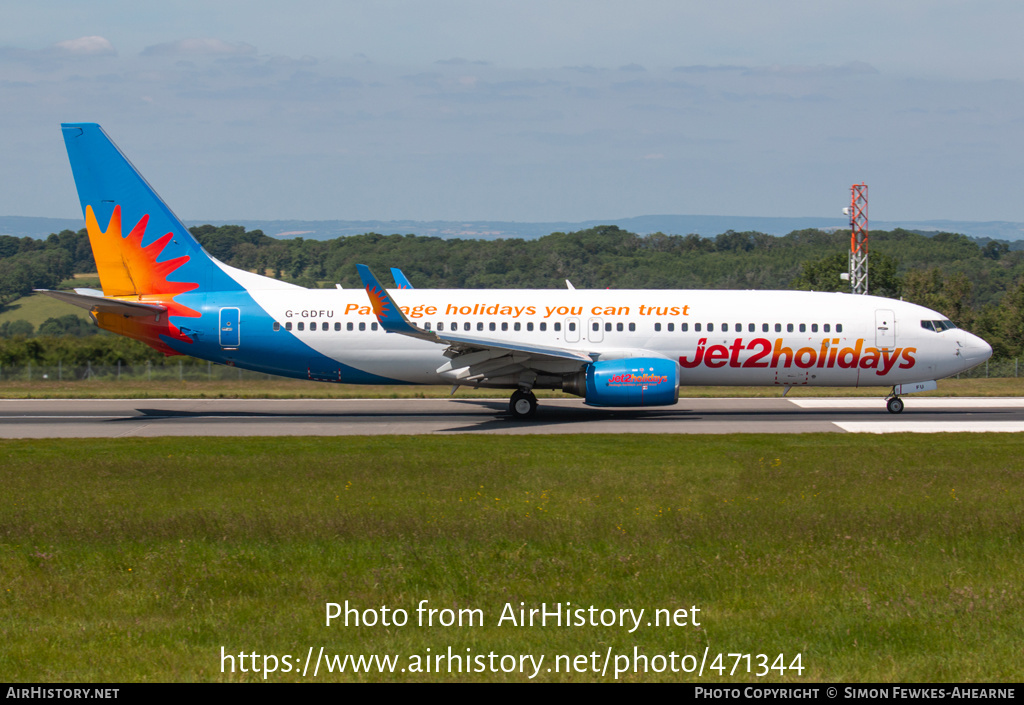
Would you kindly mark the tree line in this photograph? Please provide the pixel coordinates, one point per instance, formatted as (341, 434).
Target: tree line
(979, 284)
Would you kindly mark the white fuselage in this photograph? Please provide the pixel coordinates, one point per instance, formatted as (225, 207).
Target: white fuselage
(717, 337)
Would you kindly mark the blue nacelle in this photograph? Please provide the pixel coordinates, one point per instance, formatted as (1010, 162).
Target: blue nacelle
(637, 381)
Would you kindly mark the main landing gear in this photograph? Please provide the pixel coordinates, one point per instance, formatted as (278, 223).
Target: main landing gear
(522, 405)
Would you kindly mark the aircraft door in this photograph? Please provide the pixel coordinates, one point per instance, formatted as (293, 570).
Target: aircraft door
(596, 334)
(572, 330)
(885, 329)
(229, 324)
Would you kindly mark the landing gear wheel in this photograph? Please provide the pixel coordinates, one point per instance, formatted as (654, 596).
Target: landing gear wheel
(894, 405)
(522, 405)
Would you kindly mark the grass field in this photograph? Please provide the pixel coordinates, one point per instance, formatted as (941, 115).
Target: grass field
(880, 559)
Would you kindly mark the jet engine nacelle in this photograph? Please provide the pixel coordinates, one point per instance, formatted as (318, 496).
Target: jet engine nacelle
(636, 381)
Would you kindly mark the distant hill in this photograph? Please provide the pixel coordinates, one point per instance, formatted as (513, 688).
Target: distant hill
(705, 225)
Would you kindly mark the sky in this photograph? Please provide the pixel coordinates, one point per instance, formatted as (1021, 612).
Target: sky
(554, 110)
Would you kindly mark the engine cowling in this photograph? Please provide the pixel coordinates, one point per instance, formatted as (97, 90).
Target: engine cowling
(637, 381)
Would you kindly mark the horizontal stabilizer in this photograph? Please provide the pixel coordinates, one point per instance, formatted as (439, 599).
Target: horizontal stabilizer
(94, 301)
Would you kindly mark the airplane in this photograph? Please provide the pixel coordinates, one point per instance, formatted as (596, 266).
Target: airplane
(613, 348)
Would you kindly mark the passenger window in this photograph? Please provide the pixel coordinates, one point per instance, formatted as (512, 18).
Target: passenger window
(671, 327)
(711, 327)
(619, 327)
(440, 325)
(684, 327)
(608, 327)
(504, 325)
(288, 325)
(467, 326)
(572, 325)
(764, 327)
(789, 327)
(362, 325)
(517, 325)
(839, 327)
(348, 326)
(828, 328)
(803, 327)
(814, 327)
(778, 327)
(480, 325)
(543, 326)
(277, 326)
(491, 326)
(373, 326)
(337, 326)
(426, 326)
(657, 327)
(696, 327)
(529, 326)
(751, 328)
(632, 327)
(596, 326)
(302, 326)
(558, 327)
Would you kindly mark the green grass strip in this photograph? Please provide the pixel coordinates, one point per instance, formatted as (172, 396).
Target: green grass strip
(877, 559)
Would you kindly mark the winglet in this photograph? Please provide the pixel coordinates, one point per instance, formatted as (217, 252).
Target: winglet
(401, 281)
(388, 314)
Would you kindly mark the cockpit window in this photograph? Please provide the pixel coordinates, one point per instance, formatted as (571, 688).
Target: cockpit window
(938, 326)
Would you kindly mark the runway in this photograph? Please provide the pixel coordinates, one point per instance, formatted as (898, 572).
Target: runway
(119, 418)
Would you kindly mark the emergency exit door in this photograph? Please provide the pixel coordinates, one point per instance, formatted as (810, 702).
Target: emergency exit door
(229, 323)
(885, 329)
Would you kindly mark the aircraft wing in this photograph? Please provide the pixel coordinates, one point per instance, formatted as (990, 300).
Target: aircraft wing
(401, 281)
(473, 358)
(96, 302)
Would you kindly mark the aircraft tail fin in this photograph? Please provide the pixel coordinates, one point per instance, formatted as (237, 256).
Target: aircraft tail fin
(141, 248)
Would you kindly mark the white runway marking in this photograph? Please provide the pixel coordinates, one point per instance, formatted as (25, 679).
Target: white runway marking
(914, 403)
(931, 426)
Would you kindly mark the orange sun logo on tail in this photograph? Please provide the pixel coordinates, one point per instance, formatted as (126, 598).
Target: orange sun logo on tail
(131, 272)
(379, 302)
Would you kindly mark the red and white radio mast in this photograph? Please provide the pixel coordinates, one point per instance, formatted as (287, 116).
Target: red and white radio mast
(858, 213)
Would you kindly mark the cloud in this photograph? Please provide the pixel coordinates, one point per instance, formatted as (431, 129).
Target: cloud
(200, 47)
(56, 55)
(86, 46)
(852, 68)
(459, 61)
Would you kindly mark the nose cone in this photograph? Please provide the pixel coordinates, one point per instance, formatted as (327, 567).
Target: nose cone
(976, 350)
